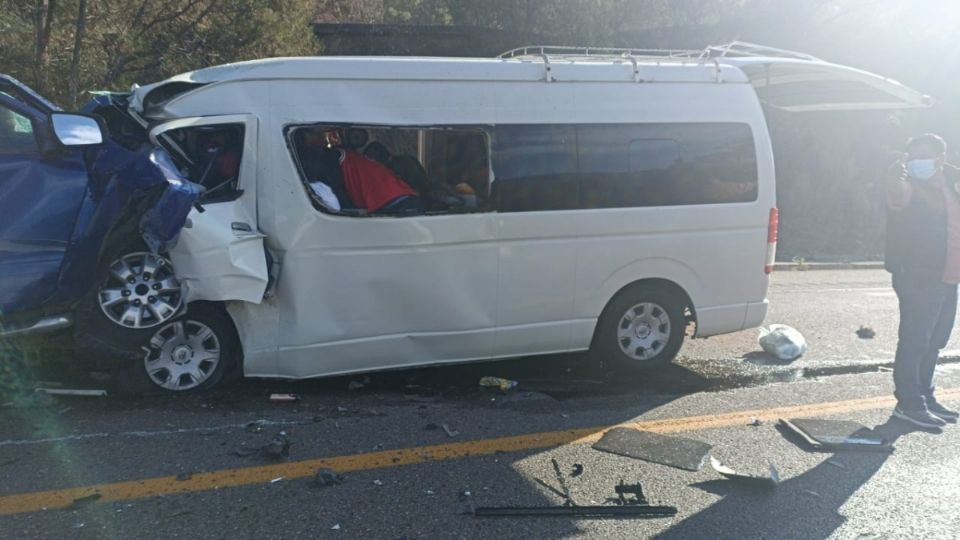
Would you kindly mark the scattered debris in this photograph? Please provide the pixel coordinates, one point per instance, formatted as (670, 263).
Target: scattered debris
(766, 482)
(833, 435)
(179, 513)
(429, 492)
(810, 492)
(87, 500)
(505, 385)
(463, 495)
(184, 476)
(336, 527)
(278, 447)
(277, 479)
(577, 470)
(865, 332)
(255, 427)
(635, 506)
(450, 432)
(755, 422)
(378, 482)
(244, 451)
(326, 478)
(284, 398)
(782, 341)
(73, 392)
(679, 452)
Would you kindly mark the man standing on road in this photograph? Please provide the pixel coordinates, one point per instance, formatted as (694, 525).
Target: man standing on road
(923, 254)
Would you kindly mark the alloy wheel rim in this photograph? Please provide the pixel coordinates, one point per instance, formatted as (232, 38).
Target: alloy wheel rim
(141, 291)
(644, 331)
(182, 355)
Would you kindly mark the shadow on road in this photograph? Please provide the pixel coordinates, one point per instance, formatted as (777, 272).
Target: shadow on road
(805, 506)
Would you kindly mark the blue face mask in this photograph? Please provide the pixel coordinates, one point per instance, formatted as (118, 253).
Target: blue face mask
(922, 169)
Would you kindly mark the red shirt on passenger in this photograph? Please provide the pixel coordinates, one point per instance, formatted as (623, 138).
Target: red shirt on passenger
(370, 185)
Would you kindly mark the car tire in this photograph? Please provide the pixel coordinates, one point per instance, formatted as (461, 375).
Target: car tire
(642, 328)
(99, 333)
(194, 352)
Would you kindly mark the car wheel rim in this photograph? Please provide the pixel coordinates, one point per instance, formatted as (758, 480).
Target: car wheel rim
(141, 291)
(644, 331)
(182, 355)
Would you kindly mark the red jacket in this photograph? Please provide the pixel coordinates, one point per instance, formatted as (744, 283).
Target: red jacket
(370, 185)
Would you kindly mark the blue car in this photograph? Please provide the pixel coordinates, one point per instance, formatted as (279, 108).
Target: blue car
(88, 210)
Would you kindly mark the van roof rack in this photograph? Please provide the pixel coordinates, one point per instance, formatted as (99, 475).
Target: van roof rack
(571, 53)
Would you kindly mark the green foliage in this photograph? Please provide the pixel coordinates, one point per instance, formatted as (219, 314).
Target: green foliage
(145, 40)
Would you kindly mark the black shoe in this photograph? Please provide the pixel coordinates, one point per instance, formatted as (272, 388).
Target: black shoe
(918, 417)
(942, 412)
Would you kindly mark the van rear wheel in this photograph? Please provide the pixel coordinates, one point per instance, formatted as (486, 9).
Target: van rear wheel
(642, 328)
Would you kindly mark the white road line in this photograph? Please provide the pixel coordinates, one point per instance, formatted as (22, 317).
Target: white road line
(854, 289)
(100, 435)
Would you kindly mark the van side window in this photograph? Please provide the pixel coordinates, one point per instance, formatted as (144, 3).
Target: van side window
(361, 170)
(212, 158)
(16, 133)
(666, 164)
(535, 168)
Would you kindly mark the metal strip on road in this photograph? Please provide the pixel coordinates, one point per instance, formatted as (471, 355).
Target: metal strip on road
(225, 478)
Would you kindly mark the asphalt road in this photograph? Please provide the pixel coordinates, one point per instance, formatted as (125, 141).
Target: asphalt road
(188, 466)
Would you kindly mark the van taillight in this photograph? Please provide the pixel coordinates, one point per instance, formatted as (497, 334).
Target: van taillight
(772, 239)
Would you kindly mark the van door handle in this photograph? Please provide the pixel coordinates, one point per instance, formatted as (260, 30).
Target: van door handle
(240, 226)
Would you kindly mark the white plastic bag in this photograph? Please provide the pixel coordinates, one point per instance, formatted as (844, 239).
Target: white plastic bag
(782, 341)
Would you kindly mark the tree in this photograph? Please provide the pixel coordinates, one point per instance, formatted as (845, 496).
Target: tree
(62, 47)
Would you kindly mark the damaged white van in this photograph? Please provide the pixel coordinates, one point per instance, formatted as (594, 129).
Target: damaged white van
(377, 213)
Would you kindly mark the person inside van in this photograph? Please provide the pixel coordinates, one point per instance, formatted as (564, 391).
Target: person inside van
(374, 187)
(321, 166)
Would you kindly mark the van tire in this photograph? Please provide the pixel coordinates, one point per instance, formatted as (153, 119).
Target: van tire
(653, 336)
(103, 341)
(161, 348)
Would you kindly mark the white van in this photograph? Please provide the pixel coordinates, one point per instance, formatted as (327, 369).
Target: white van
(594, 199)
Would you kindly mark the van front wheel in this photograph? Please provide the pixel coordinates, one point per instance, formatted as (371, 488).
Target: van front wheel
(642, 328)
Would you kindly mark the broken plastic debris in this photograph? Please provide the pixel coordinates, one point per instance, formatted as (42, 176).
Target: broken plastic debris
(278, 447)
(277, 479)
(378, 482)
(284, 398)
(450, 432)
(833, 435)
(768, 482)
(505, 385)
(577, 470)
(677, 452)
(327, 477)
(865, 332)
(782, 341)
(336, 527)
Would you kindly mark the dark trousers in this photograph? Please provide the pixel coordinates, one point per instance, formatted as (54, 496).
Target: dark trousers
(927, 313)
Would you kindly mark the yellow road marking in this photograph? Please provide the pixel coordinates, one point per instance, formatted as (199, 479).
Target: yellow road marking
(169, 485)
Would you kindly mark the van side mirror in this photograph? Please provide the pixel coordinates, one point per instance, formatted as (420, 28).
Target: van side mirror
(76, 129)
